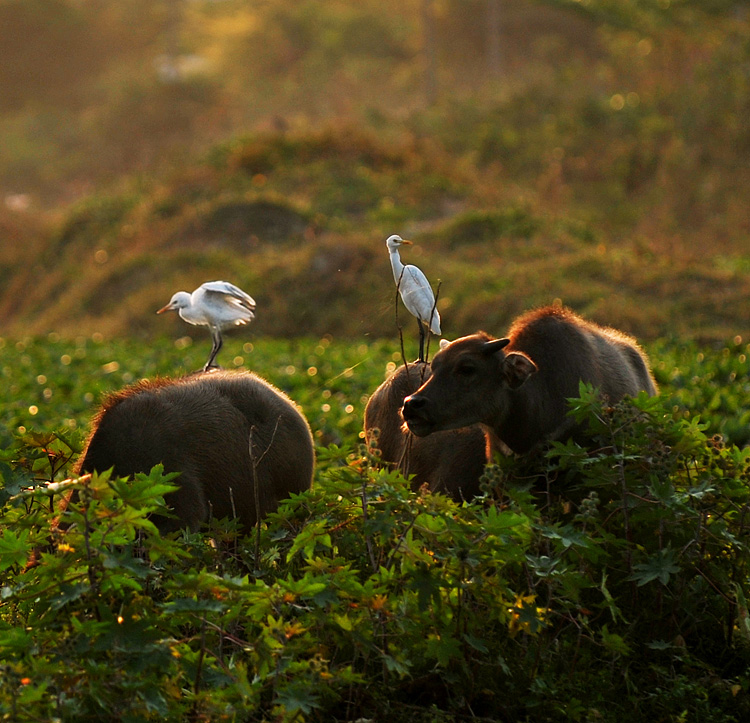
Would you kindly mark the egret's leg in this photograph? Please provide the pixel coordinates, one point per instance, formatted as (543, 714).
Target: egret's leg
(421, 339)
(218, 342)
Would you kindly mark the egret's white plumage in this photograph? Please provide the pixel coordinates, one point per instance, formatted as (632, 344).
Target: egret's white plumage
(415, 291)
(218, 305)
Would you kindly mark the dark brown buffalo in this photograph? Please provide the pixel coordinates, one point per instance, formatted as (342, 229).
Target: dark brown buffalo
(202, 426)
(518, 386)
(448, 462)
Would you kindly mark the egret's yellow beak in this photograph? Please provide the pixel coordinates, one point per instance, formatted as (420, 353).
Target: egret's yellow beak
(408, 243)
(168, 307)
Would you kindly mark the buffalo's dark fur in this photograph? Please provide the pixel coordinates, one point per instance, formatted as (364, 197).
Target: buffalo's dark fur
(202, 426)
(518, 387)
(448, 462)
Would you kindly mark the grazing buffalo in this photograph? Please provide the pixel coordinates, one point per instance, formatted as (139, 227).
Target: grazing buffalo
(448, 462)
(224, 432)
(518, 386)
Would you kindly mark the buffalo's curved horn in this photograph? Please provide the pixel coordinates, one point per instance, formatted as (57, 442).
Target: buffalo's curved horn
(490, 347)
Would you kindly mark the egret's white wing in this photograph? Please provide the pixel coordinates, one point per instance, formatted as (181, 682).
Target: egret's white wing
(418, 298)
(228, 289)
(224, 304)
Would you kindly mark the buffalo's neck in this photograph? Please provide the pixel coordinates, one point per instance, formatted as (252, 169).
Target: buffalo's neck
(529, 416)
(517, 426)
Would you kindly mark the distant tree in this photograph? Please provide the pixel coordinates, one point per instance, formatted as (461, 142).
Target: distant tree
(429, 35)
(168, 68)
(494, 62)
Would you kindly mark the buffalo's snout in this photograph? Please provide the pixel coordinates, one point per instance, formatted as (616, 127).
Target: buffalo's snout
(413, 404)
(416, 415)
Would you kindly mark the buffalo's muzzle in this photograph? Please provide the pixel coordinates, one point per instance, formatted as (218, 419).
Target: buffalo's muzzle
(415, 414)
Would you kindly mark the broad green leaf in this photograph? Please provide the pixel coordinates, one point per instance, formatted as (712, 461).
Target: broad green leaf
(14, 548)
(660, 566)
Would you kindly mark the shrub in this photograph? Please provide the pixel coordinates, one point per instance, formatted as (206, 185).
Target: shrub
(586, 584)
(480, 227)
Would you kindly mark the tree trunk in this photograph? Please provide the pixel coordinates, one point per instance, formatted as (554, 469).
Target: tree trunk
(494, 60)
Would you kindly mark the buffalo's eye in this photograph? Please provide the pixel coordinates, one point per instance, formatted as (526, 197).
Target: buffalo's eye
(465, 370)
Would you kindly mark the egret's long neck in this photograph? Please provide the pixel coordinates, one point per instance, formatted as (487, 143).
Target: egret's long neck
(396, 265)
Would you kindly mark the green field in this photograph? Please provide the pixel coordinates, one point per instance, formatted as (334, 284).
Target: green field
(54, 383)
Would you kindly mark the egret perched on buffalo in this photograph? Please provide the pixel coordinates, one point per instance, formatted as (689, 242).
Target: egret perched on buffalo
(415, 291)
(218, 305)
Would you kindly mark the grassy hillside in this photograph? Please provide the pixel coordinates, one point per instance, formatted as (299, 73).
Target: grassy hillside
(603, 164)
(299, 220)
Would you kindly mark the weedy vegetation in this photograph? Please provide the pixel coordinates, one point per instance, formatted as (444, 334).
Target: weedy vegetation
(598, 583)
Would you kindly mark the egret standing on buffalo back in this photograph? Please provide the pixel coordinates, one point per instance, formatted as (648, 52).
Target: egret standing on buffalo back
(415, 291)
(218, 305)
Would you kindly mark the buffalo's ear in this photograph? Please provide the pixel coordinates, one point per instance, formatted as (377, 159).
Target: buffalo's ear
(517, 368)
(490, 347)
(444, 343)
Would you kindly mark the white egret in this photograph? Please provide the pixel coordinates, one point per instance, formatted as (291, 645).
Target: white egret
(218, 305)
(415, 291)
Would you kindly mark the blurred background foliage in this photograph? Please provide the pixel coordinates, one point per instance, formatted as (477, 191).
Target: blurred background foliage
(592, 151)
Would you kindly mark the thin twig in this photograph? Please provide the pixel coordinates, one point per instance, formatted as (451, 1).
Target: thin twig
(199, 666)
(368, 541)
(432, 316)
(391, 557)
(398, 325)
(256, 488)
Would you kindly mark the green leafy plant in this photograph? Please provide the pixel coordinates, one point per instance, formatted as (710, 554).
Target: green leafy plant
(605, 580)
